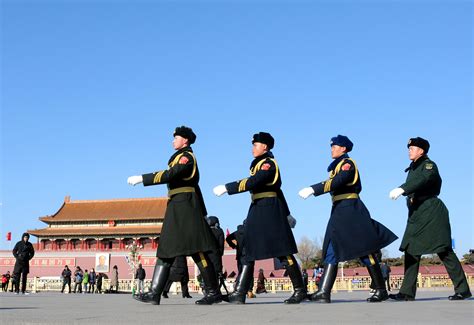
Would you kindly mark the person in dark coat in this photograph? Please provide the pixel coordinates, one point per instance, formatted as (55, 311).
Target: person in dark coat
(351, 232)
(428, 230)
(179, 273)
(92, 280)
(261, 282)
(305, 278)
(66, 275)
(100, 277)
(185, 231)
(140, 276)
(216, 255)
(267, 230)
(23, 252)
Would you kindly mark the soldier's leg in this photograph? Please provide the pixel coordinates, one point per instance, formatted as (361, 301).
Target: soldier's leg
(184, 287)
(16, 277)
(328, 278)
(158, 282)
(456, 273)
(209, 277)
(378, 282)
(296, 277)
(408, 290)
(166, 289)
(243, 283)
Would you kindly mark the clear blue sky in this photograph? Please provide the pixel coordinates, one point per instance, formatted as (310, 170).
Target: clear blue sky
(92, 90)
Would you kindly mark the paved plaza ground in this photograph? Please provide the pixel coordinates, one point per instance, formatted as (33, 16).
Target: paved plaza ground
(431, 307)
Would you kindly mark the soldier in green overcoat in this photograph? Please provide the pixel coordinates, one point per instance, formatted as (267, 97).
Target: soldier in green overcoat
(428, 230)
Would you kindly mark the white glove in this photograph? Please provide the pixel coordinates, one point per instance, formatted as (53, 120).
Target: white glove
(134, 180)
(395, 193)
(291, 221)
(219, 190)
(306, 192)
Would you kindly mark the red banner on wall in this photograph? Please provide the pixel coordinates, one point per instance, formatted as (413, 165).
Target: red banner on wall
(148, 261)
(41, 262)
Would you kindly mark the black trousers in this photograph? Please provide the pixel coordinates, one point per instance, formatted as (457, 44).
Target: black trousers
(184, 286)
(20, 271)
(450, 261)
(68, 282)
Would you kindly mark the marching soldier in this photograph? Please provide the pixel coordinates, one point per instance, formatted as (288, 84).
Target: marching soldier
(266, 232)
(351, 232)
(185, 230)
(428, 229)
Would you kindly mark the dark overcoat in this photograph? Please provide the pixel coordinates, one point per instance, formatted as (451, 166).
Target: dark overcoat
(351, 230)
(185, 230)
(23, 253)
(266, 230)
(179, 270)
(428, 230)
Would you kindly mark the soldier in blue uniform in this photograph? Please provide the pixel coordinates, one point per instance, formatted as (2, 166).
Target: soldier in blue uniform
(266, 230)
(185, 231)
(351, 232)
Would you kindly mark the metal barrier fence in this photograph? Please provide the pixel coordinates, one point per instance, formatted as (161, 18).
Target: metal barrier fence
(272, 285)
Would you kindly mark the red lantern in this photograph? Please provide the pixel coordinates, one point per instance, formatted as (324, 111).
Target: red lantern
(9, 236)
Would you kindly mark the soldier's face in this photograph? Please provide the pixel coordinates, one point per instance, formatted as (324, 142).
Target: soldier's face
(25, 239)
(337, 151)
(415, 152)
(179, 142)
(258, 149)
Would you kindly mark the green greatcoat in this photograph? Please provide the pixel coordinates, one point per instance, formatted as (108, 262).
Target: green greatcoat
(428, 230)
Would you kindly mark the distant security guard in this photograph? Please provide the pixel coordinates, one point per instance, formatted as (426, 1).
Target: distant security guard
(428, 229)
(351, 232)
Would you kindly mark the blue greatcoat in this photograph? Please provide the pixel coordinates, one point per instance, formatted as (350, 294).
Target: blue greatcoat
(351, 230)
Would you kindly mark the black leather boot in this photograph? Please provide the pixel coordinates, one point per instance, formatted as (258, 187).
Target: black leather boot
(299, 289)
(460, 296)
(160, 276)
(327, 282)
(378, 282)
(401, 297)
(242, 285)
(212, 294)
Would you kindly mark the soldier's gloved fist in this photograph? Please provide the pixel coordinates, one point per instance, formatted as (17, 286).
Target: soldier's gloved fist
(396, 192)
(219, 190)
(306, 192)
(134, 180)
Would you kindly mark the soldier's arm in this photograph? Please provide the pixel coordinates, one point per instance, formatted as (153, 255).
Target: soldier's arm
(265, 175)
(345, 176)
(421, 179)
(182, 169)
